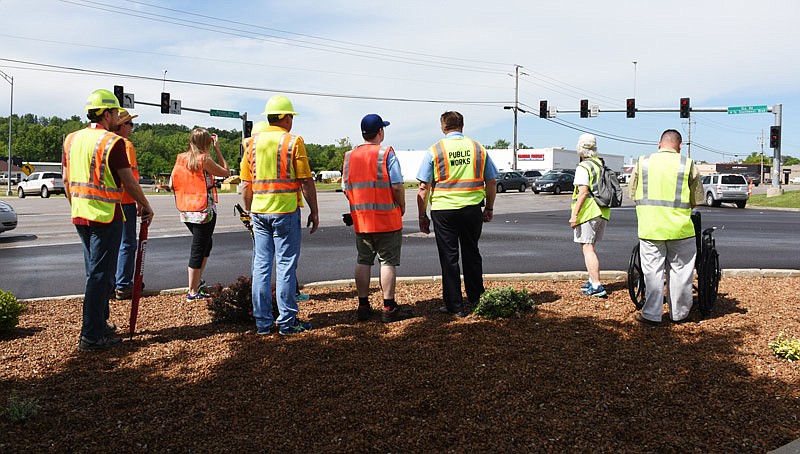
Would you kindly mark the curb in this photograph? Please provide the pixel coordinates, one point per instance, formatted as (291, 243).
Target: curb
(513, 277)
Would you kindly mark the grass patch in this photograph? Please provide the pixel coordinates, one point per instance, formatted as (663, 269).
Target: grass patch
(789, 199)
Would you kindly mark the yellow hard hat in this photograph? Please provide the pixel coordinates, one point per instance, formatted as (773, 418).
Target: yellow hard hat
(278, 105)
(102, 99)
(259, 126)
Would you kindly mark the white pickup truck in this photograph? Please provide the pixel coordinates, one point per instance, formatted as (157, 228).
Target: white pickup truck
(42, 183)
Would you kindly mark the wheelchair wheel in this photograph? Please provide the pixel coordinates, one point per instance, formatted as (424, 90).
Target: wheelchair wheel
(636, 279)
(708, 277)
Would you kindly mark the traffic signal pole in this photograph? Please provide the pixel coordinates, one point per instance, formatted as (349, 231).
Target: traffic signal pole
(775, 189)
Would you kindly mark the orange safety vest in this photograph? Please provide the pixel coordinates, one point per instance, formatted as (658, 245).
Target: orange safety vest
(190, 186)
(369, 189)
(92, 188)
(275, 186)
(131, 152)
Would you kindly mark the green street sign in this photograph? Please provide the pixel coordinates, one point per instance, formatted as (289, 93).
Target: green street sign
(746, 110)
(224, 113)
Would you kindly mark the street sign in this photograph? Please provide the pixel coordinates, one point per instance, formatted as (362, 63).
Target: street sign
(175, 106)
(127, 101)
(27, 168)
(224, 113)
(746, 110)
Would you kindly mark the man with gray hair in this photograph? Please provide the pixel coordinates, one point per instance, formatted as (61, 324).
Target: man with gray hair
(588, 219)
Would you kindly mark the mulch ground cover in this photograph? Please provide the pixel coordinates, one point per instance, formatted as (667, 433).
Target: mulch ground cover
(578, 374)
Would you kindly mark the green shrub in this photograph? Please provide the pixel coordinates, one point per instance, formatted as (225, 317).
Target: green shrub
(10, 309)
(19, 409)
(504, 303)
(787, 348)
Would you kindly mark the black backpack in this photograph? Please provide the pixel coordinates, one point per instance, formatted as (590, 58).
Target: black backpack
(607, 191)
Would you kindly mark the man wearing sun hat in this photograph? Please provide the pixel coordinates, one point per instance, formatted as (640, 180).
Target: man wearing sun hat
(95, 170)
(127, 250)
(373, 184)
(274, 172)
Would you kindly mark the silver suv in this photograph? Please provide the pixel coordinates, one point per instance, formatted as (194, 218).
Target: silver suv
(725, 187)
(42, 183)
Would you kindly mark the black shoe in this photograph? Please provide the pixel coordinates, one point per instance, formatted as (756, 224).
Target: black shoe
(396, 314)
(364, 312)
(103, 343)
(640, 318)
(110, 328)
(459, 314)
(123, 293)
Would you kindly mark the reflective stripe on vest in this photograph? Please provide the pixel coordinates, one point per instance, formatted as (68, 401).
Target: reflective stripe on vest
(93, 191)
(590, 209)
(458, 174)
(365, 174)
(663, 207)
(275, 188)
(191, 186)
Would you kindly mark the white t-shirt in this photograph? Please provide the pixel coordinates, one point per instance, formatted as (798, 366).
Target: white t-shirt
(581, 176)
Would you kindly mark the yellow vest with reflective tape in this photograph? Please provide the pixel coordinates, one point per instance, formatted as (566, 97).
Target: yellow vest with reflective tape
(663, 207)
(458, 166)
(93, 192)
(590, 209)
(276, 188)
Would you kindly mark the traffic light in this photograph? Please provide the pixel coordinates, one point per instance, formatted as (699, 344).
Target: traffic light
(685, 107)
(248, 128)
(164, 103)
(584, 108)
(630, 107)
(774, 136)
(542, 109)
(119, 92)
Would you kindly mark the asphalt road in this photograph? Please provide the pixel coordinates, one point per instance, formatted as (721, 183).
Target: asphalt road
(42, 257)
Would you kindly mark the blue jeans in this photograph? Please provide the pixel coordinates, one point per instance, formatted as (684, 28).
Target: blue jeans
(127, 250)
(100, 248)
(277, 239)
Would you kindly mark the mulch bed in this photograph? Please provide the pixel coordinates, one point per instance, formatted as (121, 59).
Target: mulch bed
(577, 375)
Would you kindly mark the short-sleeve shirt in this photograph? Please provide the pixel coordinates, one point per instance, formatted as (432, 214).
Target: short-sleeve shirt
(425, 173)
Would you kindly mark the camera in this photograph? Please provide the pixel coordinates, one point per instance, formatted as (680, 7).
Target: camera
(347, 219)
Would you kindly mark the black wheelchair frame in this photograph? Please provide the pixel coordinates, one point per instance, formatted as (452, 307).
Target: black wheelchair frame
(706, 265)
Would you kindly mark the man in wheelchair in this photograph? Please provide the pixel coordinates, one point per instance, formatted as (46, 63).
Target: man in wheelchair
(666, 186)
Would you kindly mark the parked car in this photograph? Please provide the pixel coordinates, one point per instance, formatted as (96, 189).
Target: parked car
(8, 217)
(146, 180)
(42, 183)
(511, 180)
(555, 182)
(795, 180)
(753, 178)
(4, 178)
(531, 176)
(725, 187)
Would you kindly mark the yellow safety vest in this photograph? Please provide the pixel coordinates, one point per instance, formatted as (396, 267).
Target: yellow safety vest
(276, 188)
(590, 209)
(663, 207)
(458, 167)
(93, 192)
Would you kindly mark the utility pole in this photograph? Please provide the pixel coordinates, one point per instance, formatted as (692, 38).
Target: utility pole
(516, 110)
(689, 141)
(775, 189)
(10, 80)
(761, 143)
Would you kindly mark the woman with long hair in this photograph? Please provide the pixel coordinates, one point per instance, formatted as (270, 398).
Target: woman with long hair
(195, 196)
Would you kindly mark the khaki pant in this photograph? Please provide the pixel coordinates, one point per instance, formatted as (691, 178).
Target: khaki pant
(680, 255)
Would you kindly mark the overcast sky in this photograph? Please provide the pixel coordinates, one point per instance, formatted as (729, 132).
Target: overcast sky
(409, 61)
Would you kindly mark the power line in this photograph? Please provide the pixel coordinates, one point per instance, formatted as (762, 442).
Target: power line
(317, 37)
(282, 40)
(74, 70)
(605, 135)
(248, 63)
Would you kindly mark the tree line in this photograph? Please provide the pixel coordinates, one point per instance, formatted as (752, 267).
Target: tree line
(36, 138)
